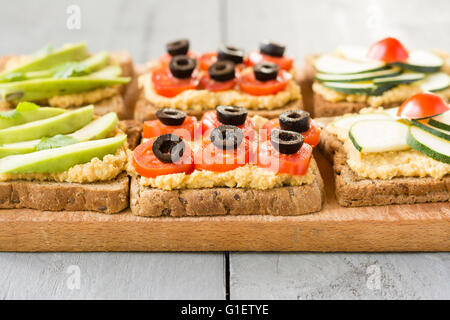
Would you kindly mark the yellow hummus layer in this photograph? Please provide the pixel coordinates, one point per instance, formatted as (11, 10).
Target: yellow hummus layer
(80, 99)
(387, 165)
(206, 100)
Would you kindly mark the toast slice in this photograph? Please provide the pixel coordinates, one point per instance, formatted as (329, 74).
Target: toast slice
(106, 196)
(144, 110)
(354, 191)
(305, 78)
(284, 201)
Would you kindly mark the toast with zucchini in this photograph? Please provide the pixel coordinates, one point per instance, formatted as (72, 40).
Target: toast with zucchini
(261, 81)
(70, 77)
(54, 159)
(390, 156)
(352, 77)
(227, 164)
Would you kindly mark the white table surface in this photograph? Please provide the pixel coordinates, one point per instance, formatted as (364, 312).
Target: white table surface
(143, 28)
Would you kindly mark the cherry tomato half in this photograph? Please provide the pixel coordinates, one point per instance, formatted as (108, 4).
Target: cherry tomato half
(165, 84)
(388, 50)
(164, 60)
(248, 84)
(207, 59)
(148, 165)
(422, 105)
(312, 136)
(155, 128)
(255, 57)
(210, 121)
(209, 84)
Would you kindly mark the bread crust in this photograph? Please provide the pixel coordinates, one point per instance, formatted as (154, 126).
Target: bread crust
(354, 191)
(284, 201)
(144, 110)
(305, 78)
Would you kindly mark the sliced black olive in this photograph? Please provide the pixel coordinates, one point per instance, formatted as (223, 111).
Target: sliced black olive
(168, 148)
(227, 137)
(295, 120)
(230, 53)
(171, 117)
(231, 115)
(222, 71)
(287, 142)
(178, 47)
(265, 71)
(182, 66)
(272, 48)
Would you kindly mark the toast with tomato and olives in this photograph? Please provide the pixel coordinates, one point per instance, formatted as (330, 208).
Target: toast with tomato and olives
(384, 75)
(226, 164)
(70, 77)
(391, 156)
(54, 159)
(261, 81)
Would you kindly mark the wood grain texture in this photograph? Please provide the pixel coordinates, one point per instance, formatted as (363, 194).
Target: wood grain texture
(420, 227)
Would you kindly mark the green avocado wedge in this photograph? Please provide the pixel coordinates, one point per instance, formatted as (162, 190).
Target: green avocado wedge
(15, 117)
(64, 123)
(60, 159)
(73, 52)
(97, 129)
(39, 89)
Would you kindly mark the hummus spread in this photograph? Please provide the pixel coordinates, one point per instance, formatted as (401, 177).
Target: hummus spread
(97, 169)
(80, 99)
(387, 165)
(205, 100)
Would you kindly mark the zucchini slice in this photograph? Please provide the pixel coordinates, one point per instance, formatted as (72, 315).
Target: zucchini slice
(390, 72)
(351, 52)
(435, 82)
(332, 64)
(422, 61)
(441, 121)
(379, 136)
(444, 134)
(429, 144)
(368, 88)
(399, 79)
(345, 123)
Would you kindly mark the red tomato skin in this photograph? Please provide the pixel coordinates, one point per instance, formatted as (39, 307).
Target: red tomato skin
(296, 164)
(187, 130)
(215, 86)
(207, 59)
(312, 136)
(168, 86)
(388, 50)
(422, 105)
(209, 122)
(248, 84)
(255, 57)
(147, 165)
(164, 60)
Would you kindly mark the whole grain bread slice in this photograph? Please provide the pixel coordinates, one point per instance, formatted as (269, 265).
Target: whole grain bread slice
(284, 201)
(144, 110)
(354, 191)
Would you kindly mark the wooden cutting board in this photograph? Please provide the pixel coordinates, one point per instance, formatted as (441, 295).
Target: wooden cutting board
(420, 227)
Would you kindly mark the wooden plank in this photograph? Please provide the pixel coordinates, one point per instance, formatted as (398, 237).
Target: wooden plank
(111, 276)
(339, 276)
(420, 227)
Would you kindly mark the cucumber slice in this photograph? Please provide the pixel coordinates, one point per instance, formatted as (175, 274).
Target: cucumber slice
(359, 76)
(392, 112)
(60, 159)
(97, 129)
(441, 121)
(444, 134)
(345, 123)
(355, 53)
(435, 82)
(379, 136)
(331, 64)
(368, 88)
(422, 61)
(399, 79)
(66, 122)
(429, 144)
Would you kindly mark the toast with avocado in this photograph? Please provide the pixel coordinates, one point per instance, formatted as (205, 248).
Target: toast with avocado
(380, 158)
(261, 81)
(227, 164)
(352, 77)
(70, 77)
(72, 160)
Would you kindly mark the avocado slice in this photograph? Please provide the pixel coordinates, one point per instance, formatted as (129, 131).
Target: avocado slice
(73, 52)
(14, 117)
(60, 159)
(97, 129)
(39, 89)
(66, 122)
(108, 72)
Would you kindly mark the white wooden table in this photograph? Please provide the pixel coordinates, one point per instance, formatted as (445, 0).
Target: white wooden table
(143, 27)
